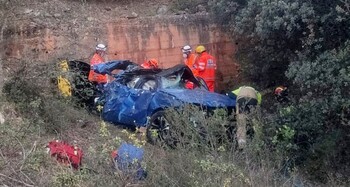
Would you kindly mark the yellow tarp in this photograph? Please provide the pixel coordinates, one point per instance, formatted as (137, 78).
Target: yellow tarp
(63, 83)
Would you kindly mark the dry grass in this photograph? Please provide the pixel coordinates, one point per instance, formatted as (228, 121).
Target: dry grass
(35, 118)
(210, 160)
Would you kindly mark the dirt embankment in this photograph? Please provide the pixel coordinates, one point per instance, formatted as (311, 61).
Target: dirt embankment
(43, 32)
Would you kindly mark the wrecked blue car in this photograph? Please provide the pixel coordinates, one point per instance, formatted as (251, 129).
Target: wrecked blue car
(138, 97)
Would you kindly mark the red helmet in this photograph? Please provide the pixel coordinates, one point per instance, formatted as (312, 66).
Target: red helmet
(150, 64)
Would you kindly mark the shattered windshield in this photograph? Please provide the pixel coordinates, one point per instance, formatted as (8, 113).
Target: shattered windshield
(172, 81)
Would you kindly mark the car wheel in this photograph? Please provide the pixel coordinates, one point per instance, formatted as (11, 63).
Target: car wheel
(159, 130)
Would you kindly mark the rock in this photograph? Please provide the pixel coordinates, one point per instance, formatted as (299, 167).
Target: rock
(2, 118)
(133, 15)
(163, 9)
(27, 11)
(90, 19)
(57, 15)
(108, 8)
(47, 14)
(37, 13)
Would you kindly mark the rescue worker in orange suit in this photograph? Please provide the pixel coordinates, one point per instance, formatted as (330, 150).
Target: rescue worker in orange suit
(150, 64)
(189, 58)
(97, 58)
(206, 66)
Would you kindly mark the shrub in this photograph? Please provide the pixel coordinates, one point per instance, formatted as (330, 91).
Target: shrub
(270, 33)
(303, 43)
(32, 93)
(322, 116)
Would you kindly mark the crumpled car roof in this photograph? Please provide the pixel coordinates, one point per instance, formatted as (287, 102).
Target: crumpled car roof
(131, 68)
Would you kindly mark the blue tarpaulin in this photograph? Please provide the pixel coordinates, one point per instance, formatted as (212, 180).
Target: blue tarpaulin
(128, 160)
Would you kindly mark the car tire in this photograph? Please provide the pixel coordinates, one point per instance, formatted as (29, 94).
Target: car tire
(159, 130)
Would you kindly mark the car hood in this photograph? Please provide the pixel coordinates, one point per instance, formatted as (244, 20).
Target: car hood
(201, 97)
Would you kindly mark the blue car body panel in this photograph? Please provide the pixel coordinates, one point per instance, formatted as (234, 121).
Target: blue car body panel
(131, 107)
(201, 97)
(108, 67)
(126, 105)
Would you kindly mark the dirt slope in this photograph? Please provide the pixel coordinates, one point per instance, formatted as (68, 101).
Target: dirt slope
(77, 10)
(66, 15)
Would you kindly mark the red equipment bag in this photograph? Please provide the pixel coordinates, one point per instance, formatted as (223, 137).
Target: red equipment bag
(65, 153)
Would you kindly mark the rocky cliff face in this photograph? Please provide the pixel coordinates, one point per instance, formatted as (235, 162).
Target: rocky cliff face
(45, 37)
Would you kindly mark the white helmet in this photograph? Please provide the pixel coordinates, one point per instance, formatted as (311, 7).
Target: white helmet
(101, 47)
(186, 49)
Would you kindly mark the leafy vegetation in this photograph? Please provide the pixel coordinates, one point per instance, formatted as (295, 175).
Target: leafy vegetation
(302, 44)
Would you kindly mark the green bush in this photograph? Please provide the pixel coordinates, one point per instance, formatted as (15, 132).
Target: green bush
(303, 44)
(271, 33)
(322, 118)
(267, 33)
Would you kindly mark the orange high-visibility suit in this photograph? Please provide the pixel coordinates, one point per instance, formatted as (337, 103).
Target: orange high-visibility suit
(93, 76)
(189, 61)
(206, 66)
